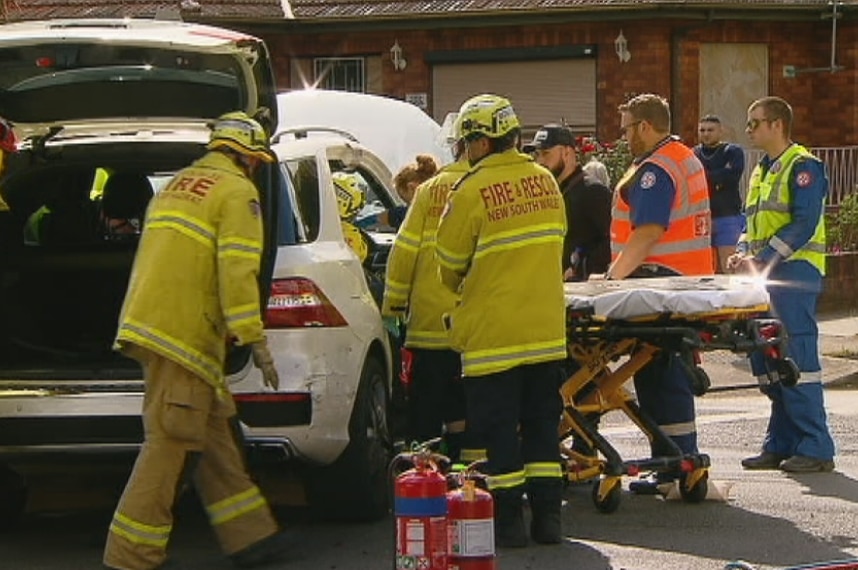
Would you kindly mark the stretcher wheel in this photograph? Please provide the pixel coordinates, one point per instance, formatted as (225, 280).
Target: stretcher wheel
(697, 493)
(700, 381)
(787, 372)
(611, 501)
(13, 498)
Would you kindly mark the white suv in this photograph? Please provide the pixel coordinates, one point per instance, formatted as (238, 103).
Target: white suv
(135, 96)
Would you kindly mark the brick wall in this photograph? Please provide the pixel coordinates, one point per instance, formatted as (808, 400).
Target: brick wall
(840, 284)
(824, 103)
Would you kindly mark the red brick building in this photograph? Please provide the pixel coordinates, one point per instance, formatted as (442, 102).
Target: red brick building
(559, 59)
(556, 59)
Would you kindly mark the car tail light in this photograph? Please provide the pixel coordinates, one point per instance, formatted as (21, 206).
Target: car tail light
(299, 303)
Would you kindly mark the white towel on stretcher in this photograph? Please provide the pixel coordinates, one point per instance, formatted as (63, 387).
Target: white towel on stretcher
(677, 296)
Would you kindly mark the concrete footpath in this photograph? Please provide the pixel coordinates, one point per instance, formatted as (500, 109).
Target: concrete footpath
(838, 340)
(838, 343)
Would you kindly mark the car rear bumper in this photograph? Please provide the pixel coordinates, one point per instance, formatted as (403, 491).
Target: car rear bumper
(110, 423)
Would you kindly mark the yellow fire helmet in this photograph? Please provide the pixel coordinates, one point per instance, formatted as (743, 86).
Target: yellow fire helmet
(487, 115)
(351, 194)
(241, 133)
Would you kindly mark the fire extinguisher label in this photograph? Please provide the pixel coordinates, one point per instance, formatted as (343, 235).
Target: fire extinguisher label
(415, 538)
(472, 537)
(421, 543)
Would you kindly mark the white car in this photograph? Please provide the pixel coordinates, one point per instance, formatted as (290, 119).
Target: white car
(135, 96)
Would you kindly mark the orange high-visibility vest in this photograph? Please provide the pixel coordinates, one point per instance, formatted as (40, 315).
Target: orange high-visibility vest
(685, 247)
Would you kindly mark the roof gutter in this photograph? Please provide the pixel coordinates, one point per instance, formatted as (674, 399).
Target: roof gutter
(499, 18)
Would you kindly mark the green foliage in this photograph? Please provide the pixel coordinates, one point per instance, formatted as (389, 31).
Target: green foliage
(615, 156)
(842, 226)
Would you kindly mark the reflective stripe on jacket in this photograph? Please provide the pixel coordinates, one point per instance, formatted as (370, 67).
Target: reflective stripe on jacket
(500, 242)
(411, 283)
(685, 246)
(768, 209)
(195, 277)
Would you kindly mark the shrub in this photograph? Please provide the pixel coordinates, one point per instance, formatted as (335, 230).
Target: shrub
(614, 155)
(842, 226)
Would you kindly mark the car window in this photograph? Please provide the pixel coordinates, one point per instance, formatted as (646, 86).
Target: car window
(61, 81)
(378, 198)
(304, 174)
(289, 230)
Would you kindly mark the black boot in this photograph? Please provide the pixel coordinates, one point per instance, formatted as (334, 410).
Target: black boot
(546, 497)
(509, 518)
(453, 442)
(274, 548)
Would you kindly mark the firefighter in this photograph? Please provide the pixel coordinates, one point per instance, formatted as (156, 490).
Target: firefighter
(351, 198)
(499, 245)
(436, 397)
(194, 286)
(785, 241)
(660, 227)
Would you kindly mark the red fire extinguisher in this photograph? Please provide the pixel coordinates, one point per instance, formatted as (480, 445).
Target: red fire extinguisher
(471, 529)
(420, 513)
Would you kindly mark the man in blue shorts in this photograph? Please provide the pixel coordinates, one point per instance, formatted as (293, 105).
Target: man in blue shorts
(724, 164)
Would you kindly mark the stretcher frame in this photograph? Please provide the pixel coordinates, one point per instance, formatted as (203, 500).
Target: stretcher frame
(594, 343)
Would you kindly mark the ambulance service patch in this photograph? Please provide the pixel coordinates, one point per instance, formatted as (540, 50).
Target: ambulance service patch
(648, 180)
(804, 179)
(255, 208)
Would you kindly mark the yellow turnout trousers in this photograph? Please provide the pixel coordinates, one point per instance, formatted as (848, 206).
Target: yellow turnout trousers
(188, 433)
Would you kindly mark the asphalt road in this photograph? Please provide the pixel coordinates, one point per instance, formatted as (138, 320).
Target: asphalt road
(770, 519)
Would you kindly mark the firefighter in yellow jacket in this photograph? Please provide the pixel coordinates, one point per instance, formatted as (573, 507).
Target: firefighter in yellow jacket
(351, 198)
(500, 244)
(194, 286)
(436, 395)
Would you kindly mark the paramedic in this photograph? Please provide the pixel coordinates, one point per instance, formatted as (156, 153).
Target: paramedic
(660, 226)
(785, 241)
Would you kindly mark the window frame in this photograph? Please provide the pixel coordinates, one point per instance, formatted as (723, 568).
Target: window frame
(322, 67)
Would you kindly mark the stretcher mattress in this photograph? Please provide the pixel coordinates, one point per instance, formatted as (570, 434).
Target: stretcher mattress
(674, 296)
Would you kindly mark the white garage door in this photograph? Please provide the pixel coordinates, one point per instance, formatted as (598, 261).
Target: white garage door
(548, 91)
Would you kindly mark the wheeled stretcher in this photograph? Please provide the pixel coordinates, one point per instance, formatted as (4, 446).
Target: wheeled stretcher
(615, 328)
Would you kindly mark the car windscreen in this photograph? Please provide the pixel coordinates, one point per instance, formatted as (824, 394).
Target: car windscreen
(65, 82)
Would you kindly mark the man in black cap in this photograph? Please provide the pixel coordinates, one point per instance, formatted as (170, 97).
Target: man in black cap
(587, 247)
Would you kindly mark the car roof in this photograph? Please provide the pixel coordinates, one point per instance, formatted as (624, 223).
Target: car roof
(287, 149)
